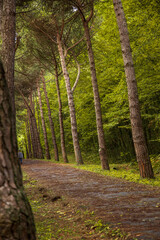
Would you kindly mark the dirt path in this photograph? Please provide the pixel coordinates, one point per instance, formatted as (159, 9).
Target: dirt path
(134, 206)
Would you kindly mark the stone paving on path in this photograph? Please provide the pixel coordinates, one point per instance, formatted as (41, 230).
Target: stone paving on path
(135, 207)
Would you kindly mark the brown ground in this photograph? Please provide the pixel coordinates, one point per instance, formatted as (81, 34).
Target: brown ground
(135, 206)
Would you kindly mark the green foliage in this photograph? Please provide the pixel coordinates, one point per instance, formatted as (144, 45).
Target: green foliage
(128, 171)
(144, 38)
(125, 171)
(34, 53)
(155, 160)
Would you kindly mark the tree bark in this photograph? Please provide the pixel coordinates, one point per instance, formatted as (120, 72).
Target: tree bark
(56, 155)
(43, 123)
(38, 115)
(28, 139)
(36, 145)
(16, 219)
(32, 131)
(139, 141)
(26, 147)
(33, 140)
(100, 131)
(74, 131)
(63, 148)
(8, 15)
(39, 152)
(1, 11)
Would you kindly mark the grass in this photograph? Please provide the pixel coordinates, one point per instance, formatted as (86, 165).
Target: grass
(123, 171)
(65, 219)
(127, 171)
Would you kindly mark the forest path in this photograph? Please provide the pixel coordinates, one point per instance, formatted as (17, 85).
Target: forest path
(136, 207)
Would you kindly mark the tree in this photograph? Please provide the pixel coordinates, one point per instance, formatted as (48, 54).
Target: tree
(56, 155)
(28, 137)
(76, 145)
(63, 145)
(81, 5)
(7, 22)
(16, 221)
(25, 90)
(43, 123)
(143, 25)
(27, 71)
(54, 31)
(36, 144)
(141, 150)
(45, 53)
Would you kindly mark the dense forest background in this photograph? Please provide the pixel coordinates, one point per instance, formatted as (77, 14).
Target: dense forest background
(34, 60)
(69, 71)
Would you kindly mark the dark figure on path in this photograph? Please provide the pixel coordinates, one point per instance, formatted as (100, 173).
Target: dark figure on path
(20, 156)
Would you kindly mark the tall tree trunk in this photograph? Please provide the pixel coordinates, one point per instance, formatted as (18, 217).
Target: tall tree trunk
(100, 131)
(56, 155)
(38, 115)
(63, 148)
(39, 153)
(1, 12)
(43, 123)
(74, 131)
(16, 219)
(36, 145)
(139, 141)
(26, 147)
(28, 139)
(33, 140)
(8, 14)
(38, 149)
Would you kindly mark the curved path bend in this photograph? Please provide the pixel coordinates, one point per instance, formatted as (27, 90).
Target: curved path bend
(135, 206)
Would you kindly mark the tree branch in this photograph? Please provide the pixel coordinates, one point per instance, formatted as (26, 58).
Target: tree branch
(26, 75)
(17, 42)
(62, 28)
(25, 11)
(74, 45)
(41, 62)
(79, 9)
(78, 74)
(55, 61)
(91, 15)
(45, 33)
(25, 101)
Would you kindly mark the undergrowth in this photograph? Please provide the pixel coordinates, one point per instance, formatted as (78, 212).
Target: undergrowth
(127, 171)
